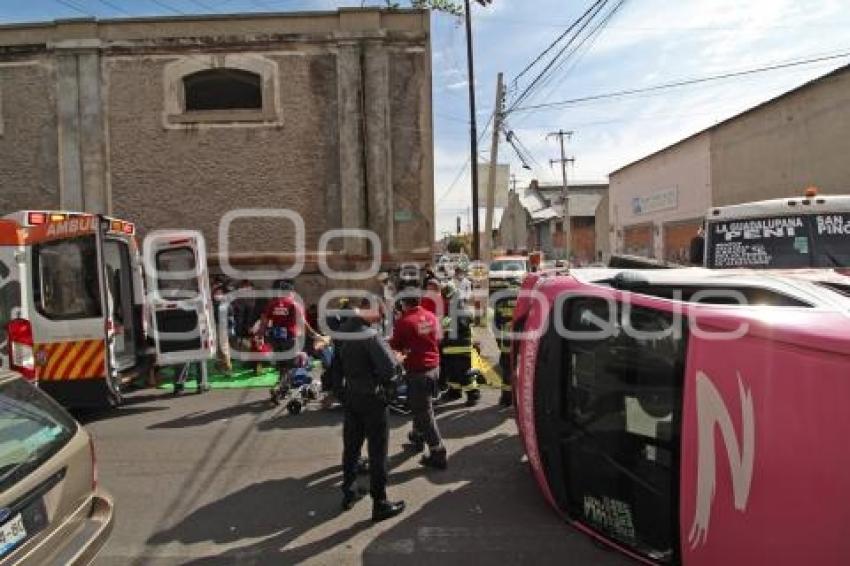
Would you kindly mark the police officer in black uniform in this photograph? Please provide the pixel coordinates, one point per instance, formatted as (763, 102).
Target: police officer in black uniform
(366, 371)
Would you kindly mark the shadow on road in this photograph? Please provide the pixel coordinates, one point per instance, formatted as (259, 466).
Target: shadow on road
(201, 418)
(134, 404)
(476, 521)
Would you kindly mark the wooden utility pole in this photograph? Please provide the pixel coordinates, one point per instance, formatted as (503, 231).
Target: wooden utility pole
(491, 173)
(473, 133)
(565, 193)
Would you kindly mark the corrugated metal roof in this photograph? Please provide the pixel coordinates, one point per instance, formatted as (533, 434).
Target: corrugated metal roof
(544, 214)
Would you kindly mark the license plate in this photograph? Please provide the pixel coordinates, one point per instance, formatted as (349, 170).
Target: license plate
(11, 533)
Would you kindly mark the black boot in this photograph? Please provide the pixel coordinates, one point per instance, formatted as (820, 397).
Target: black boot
(452, 395)
(415, 442)
(350, 497)
(435, 459)
(178, 388)
(472, 397)
(383, 510)
(506, 399)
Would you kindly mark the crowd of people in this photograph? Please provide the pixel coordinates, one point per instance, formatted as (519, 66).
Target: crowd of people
(363, 369)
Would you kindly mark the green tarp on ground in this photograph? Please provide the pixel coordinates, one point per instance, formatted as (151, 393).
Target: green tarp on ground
(242, 376)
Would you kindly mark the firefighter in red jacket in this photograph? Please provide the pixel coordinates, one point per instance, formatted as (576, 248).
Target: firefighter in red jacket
(416, 335)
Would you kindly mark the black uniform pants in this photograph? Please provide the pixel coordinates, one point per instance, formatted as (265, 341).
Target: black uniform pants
(366, 418)
(420, 391)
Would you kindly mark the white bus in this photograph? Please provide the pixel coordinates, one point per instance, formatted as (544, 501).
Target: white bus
(809, 232)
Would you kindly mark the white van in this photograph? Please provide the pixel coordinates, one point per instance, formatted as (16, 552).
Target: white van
(74, 314)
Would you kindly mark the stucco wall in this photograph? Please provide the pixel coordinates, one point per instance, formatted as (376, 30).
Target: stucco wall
(29, 176)
(602, 227)
(780, 149)
(169, 178)
(684, 167)
(412, 159)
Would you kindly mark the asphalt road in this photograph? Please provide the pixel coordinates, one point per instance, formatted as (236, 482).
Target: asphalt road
(224, 478)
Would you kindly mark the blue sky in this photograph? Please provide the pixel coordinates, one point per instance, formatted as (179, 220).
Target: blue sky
(649, 42)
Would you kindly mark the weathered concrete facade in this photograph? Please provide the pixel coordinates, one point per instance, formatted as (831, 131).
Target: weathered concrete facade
(774, 150)
(673, 185)
(93, 116)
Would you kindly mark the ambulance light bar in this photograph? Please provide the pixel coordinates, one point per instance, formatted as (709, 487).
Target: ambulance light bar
(122, 227)
(36, 218)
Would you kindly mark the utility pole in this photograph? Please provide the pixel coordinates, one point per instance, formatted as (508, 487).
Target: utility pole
(513, 183)
(565, 193)
(491, 173)
(473, 133)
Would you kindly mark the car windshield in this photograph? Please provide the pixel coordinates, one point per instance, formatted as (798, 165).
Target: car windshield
(781, 242)
(32, 429)
(507, 265)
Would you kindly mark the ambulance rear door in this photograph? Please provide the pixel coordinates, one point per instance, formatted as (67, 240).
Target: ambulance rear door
(179, 303)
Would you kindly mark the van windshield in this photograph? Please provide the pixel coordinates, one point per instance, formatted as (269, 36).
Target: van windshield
(780, 242)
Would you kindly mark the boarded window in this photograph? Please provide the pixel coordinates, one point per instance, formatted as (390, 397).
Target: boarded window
(223, 89)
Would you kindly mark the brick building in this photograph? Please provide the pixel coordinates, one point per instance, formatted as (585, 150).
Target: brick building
(173, 122)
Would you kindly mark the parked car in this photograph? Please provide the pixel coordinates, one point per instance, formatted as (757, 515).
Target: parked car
(506, 271)
(52, 510)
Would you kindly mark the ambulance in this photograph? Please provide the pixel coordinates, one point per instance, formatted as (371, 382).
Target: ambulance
(76, 317)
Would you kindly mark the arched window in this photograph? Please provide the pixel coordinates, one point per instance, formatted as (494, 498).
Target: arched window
(223, 89)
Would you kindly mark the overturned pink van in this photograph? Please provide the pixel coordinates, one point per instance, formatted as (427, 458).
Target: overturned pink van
(690, 416)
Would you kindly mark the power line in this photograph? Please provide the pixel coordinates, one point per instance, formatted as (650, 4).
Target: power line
(74, 7)
(115, 7)
(168, 7)
(529, 89)
(465, 163)
(579, 51)
(554, 43)
(675, 84)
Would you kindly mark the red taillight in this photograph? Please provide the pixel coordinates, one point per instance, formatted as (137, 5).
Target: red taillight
(36, 218)
(93, 464)
(21, 355)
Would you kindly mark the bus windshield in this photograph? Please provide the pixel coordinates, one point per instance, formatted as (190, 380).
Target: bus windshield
(780, 242)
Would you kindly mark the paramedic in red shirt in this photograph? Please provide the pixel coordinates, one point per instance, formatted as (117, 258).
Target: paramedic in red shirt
(282, 321)
(416, 335)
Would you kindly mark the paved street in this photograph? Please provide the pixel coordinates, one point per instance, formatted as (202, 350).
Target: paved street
(223, 478)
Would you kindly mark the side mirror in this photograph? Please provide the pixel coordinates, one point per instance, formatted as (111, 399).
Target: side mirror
(697, 251)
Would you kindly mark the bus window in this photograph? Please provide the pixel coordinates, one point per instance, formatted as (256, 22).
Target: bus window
(780, 242)
(621, 420)
(776, 242)
(65, 278)
(832, 240)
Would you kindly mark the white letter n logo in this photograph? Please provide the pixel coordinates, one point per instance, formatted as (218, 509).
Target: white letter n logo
(712, 410)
